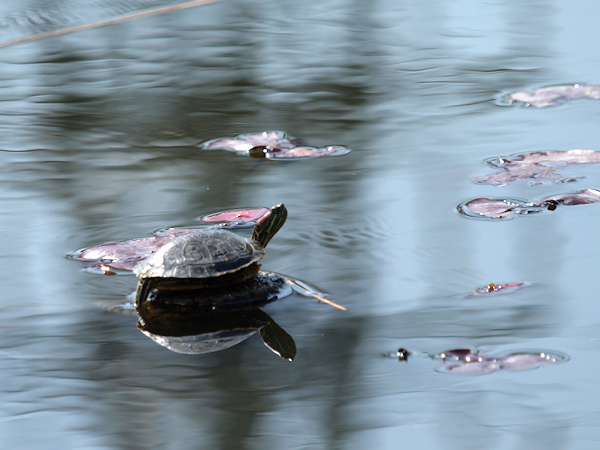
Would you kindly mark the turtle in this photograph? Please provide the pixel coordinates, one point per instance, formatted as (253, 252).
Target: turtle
(210, 259)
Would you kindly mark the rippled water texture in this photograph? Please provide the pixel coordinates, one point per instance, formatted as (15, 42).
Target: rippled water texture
(101, 136)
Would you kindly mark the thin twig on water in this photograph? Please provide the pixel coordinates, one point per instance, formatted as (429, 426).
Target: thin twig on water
(315, 295)
(104, 23)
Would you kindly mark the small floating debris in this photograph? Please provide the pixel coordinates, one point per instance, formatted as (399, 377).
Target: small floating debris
(272, 145)
(489, 208)
(537, 167)
(402, 354)
(552, 95)
(497, 289)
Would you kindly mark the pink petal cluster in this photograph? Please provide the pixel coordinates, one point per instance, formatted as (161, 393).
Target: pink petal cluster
(466, 361)
(127, 254)
(272, 145)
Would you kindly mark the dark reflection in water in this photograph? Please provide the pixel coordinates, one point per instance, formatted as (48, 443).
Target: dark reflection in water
(194, 330)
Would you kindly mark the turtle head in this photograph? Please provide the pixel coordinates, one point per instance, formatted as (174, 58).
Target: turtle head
(269, 224)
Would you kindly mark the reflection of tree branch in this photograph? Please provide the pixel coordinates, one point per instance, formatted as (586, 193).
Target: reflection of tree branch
(103, 23)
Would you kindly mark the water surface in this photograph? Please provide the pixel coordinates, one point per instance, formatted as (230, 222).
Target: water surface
(99, 135)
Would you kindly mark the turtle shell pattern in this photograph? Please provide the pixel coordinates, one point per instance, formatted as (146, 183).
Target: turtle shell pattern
(206, 254)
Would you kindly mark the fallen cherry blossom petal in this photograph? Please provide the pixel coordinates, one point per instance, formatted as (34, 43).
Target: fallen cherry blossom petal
(120, 250)
(492, 208)
(531, 360)
(584, 197)
(104, 269)
(174, 231)
(466, 361)
(488, 208)
(272, 145)
(538, 167)
(461, 354)
(308, 152)
(479, 367)
(563, 157)
(554, 95)
(274, 140)
(120, 255)
(237, 216)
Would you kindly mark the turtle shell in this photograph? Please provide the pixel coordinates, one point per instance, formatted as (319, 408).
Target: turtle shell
(207, 254)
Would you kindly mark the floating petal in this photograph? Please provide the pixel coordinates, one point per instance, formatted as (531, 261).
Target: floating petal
(272, 145)
(309, 152)
(479, 367)
(538, 167)
(531, 360)
(487, 208)
(466, 361)
(554, 95)
(236, 216)
(274, 140)
(584, 197)
(461, 354)
(120, 255)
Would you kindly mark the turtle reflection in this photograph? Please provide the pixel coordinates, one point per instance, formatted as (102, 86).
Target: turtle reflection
(194, 322)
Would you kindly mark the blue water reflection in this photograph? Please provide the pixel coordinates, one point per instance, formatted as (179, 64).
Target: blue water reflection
(99, 135)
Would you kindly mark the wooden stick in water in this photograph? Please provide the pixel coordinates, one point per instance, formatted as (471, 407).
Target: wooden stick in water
(314, 295)
(103, 23)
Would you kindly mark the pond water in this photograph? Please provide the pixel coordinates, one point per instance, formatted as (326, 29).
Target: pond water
(99, 142)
